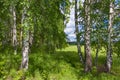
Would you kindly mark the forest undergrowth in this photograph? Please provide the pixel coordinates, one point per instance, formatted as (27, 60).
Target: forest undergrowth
(62, 65)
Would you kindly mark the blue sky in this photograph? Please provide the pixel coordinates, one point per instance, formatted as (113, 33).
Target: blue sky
(70, 28)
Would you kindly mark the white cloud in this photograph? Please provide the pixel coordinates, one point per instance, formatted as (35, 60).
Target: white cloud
(70, 0)
(72, 13)
(71, 24)
(72, 35)
(70, 28)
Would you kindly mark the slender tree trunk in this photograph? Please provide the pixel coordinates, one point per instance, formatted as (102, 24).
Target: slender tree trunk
(88, 59)
(31, 38)
(97, 51)
(13, 28)
(31, 35)
(21, 29)
(34, 30)
(25, 48)
(77, 34)
(14, 31)
(21, 36)
(11, 24)
(109, 51)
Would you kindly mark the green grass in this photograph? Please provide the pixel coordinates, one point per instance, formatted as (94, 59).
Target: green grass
(62, 65)
(69, 48)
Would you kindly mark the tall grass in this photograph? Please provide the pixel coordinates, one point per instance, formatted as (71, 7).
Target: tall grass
(62, 65)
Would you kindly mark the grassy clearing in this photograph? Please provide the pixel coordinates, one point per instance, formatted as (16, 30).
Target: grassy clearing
(62, 65)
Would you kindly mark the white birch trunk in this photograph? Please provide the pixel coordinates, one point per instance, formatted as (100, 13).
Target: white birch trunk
(109, 51)
(25, 48)
(77, 34)
(14, 31)
(13, 28)
(88, 59)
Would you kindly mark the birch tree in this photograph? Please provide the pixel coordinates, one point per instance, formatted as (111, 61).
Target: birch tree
(13, 26)
(109, 49)
(77, 33)
(25, 47)
(88, 59)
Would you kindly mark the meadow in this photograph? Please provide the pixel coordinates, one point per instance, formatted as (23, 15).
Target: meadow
(64, 64)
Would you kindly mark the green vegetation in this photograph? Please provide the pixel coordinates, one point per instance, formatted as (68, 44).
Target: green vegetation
(34, 46)
(62, 65)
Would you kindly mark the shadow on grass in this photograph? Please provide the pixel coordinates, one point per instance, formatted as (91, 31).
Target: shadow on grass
(70, 57)
(64, 65)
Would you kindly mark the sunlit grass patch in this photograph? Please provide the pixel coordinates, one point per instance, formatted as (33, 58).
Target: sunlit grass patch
(69, 48)
(62, 65)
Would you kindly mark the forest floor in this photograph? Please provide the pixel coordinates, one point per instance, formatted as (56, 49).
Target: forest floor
(62, 65)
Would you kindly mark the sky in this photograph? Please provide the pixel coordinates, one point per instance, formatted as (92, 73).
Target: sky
(70, 28)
